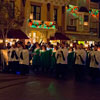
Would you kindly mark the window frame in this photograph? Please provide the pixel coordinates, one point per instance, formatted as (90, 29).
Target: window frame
(34, 12)
(55, 15)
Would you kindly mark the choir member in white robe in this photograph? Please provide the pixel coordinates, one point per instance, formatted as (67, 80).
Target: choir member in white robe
(61, 56)
(13, 59)
(80, 62)
(24, 61)
(95, 64)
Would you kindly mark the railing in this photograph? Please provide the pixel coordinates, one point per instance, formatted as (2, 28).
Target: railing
(41, 24)
(94, 30)
(71, 28)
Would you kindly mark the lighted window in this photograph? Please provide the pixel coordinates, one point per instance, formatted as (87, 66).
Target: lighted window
(36, 11)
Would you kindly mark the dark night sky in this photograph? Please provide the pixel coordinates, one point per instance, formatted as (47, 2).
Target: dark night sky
(95, 0)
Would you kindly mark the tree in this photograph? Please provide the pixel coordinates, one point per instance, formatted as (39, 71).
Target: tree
(10, 18)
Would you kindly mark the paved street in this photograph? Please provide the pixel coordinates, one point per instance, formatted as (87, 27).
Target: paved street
(14, 87)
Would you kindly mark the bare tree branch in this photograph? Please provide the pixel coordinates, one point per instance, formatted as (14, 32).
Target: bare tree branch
(7, 21)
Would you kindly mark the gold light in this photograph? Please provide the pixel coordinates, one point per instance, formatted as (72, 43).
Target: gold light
(71, 44)
(1, 41)
(86, 45)
(31, 16)
(86, 23)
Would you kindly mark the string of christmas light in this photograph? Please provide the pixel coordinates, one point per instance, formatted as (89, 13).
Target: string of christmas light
(94, 13)
(41, 24)
(74, 9)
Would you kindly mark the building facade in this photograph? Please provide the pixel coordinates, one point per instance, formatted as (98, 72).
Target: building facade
(77, 19)
(82, 20)
(44, 17)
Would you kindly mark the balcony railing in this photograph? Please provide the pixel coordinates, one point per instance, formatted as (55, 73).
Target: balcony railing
(71, 28)
(41, 24)
(94, 30)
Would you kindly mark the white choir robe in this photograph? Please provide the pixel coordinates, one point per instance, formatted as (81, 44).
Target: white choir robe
(25, 60)
(10, 59)
(98, 58)
(92, 59)
(82, 53)
(4, 56)
(60, 58)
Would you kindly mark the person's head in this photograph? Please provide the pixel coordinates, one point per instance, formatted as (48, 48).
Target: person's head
(95, 48)
(8, 44)
(43, 47)
(48, 45)
(55, 47)
(58, 44)
(28, 43)
(37, 45)
(88, 48)
(77, 46)
(14, 45)
(70, 49)
(19, 44)
(63, 44)
(81, 46)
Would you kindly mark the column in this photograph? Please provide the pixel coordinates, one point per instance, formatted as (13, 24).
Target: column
(44, 12)
(59, 16)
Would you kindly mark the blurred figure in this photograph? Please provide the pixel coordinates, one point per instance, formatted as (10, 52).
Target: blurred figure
(36, 58)
(71, 59)
(48, 55)
(24, 60)
(61, 56)
(94, 64)
(8, 46)
(80, 63)
(13, 59)
(43, 59)
(28, 46)
(53, 60)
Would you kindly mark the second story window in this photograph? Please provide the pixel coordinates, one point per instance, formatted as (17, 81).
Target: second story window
(71, 22)
(55, 15)
(36, 11)
(12, 4)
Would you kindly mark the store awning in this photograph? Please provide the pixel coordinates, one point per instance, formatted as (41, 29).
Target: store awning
(84, 37)
(16, 34)
(59, 36)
